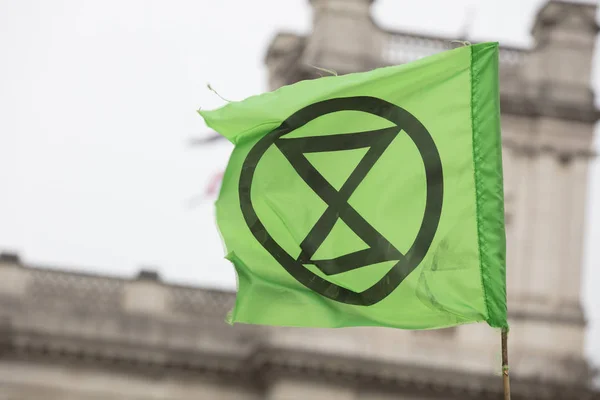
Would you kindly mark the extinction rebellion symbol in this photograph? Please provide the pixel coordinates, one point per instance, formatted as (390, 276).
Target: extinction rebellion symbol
(337, 201)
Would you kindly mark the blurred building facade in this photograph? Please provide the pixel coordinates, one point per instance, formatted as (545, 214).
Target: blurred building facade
(71, 336)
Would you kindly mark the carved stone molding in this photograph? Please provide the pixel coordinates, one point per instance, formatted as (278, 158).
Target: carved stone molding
(563, 155)
(265, 366)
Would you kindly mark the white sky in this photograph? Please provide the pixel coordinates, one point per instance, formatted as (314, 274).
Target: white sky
(98, 99)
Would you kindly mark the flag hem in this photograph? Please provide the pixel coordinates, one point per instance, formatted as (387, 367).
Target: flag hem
(487, 162)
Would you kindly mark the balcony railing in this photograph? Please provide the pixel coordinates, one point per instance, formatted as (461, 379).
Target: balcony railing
(399, 48)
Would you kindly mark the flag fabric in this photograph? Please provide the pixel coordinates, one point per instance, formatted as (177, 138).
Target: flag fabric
(369, 199)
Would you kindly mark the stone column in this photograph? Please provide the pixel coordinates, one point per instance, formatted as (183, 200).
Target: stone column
(518, 227)
(545, 211)
(575, 226)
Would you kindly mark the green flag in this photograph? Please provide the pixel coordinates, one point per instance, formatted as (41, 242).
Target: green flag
(372, 198)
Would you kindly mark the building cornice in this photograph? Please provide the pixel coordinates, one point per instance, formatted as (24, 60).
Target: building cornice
(533, 150)
(540, 106)
(49, 316)
(364, 373)
(265, 365)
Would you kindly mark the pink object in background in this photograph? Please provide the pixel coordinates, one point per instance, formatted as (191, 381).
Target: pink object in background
(214, 185)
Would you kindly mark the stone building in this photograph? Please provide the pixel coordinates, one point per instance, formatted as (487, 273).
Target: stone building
(71, 336)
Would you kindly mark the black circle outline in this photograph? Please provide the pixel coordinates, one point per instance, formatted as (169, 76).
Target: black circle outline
(433, 204)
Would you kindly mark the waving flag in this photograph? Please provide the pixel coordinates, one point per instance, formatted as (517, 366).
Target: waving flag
(369, 199)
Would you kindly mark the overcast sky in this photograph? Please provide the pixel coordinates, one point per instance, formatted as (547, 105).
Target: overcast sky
(98, 99)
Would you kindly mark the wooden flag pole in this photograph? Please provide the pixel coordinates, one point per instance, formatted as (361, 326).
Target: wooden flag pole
(505, 372)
